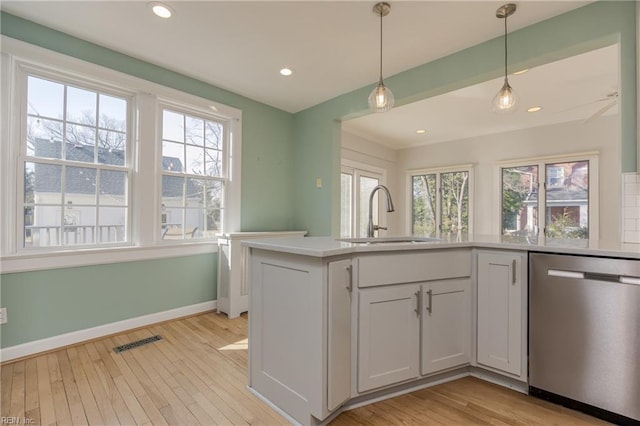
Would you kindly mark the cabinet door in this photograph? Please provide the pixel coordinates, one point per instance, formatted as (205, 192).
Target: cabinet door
(339, 333)
(500, 290)
(389, 335)
(446, 324)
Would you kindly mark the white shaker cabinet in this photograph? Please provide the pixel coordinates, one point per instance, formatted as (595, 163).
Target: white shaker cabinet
(300, 332)
(398, 338)
(502, 312)
(389, 335)
(446, 324)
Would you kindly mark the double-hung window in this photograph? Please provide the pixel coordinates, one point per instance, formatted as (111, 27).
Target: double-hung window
(194, 169)
(440, 201)
(563, 189)
(93, 159)
(75, 163)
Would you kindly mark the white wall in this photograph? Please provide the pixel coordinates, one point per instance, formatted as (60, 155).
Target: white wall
(361, 150)
(602, 135)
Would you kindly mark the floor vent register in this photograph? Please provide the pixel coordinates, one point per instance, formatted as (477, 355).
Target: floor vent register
(136, 344)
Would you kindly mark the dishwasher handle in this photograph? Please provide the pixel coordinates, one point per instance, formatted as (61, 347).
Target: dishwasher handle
(595, 276)
(629, 280)
(565, 274)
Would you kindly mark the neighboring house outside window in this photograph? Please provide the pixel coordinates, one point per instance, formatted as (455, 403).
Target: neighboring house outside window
(567, 197)
(567, 200)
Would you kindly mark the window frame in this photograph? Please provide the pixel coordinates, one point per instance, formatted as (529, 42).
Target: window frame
(591, 157)
(144, 242)
(410, 174)
(22, 72)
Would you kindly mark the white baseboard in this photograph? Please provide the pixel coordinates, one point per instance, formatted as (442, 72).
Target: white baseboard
(42, 345)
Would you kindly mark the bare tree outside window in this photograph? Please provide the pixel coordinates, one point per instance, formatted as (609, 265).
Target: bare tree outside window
(440, 203)
(455, 202)
(99, 122)
(424, 205)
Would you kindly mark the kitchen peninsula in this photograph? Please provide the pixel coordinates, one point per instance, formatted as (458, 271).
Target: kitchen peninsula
(334, 324)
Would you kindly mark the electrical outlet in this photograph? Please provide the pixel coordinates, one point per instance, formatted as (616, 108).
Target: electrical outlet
(3, 315)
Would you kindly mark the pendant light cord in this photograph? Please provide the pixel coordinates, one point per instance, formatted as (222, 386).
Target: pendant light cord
(380, 45)
(505, 48)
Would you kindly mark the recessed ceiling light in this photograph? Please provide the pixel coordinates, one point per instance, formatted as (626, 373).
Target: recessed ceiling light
(161, 10)
(286, 72)
(421, 131)
(521, 71)
(534, 109)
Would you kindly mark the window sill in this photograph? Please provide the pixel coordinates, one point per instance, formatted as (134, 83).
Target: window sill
(26, 262)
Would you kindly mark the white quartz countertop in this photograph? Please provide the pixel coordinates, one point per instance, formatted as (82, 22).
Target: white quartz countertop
(260, 234)
(327, 246)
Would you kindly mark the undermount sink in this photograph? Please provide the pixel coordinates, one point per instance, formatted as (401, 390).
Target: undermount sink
(390, 240)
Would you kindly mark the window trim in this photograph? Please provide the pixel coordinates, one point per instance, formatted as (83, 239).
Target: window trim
(143, 244)
(594, 201)
(437, 170)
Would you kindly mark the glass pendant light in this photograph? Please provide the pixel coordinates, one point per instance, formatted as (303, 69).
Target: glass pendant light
(506, 100)
(381, 99)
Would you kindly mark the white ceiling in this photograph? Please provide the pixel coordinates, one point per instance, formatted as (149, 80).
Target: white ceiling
(332, 46)
(240, 46)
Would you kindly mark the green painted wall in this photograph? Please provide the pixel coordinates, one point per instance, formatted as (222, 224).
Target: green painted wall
(316, 130)
(48, 303)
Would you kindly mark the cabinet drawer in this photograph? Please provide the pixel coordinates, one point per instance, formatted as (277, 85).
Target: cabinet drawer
(410, 266)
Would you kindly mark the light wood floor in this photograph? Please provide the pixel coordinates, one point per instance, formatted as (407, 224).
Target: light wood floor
(197, 375)
(467, 401)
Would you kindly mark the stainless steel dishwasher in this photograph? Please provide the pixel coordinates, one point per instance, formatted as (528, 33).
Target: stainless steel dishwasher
(584, 334)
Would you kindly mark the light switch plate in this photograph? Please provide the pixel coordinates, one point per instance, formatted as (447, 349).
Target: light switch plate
(3, 315)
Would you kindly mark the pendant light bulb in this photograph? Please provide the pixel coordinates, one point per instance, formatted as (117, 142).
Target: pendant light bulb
(381, 99)
(506, 100)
